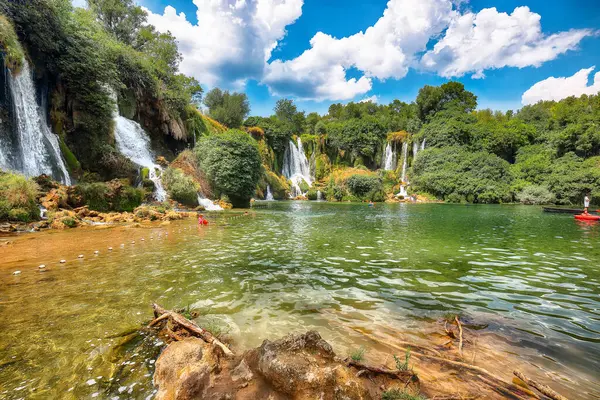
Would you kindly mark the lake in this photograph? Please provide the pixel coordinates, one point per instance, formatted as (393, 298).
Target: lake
(532, 278)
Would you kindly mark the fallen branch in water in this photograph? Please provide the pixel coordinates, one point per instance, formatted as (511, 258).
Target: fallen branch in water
(381, 371)
(543, 389)
(190, 326)
(460, 334)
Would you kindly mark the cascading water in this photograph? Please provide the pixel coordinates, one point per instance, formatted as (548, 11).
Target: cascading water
(415, 149)
(208, 204)
(296, 167)
(390, 157)
(269, 196)
(319, 195)
(36, 149)
(403, 192)
(423, 144)
(134, 143)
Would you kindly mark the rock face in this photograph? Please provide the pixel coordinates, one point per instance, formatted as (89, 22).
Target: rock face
(299, 367)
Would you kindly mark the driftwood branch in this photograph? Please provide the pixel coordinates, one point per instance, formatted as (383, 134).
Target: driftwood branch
(398, 374)
(543, 389)
(460, 334)
(182, 321)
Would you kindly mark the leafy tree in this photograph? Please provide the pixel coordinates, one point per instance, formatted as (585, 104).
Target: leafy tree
(122, 18)
(229, 109)
(224, 157)
(449, 96)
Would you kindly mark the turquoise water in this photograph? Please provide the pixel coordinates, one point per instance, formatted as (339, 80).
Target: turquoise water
(533, 278)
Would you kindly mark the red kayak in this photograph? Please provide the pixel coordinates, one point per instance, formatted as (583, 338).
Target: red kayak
(587, 217)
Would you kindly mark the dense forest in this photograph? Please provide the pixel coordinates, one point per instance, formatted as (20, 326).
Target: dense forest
(89, 63)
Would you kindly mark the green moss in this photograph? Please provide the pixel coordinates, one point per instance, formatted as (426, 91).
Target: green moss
(70, 222)
(395, 394)
(279, 185)
(72, 162)
(322, 166)
(111, 196)
(145, 173)
(181, 187)
(11, 48)
(304, 186)
(311, 194)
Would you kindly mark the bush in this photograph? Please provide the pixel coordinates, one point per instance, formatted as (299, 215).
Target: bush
(311, 194)
(108, 196)
(361, 185)
(9, 43)
(18, 198)
(535, 194)
(181, 187)
(232, 164)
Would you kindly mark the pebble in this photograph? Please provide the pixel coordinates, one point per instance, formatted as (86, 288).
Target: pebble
(63, 261)
(42, 266)
(17, 273)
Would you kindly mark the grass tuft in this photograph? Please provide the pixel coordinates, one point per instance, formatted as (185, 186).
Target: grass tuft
(358, 354)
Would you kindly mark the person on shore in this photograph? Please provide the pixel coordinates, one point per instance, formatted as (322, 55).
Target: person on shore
(586, 204)
(201, 220)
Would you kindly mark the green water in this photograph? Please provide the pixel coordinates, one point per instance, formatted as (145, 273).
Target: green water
(291, 266)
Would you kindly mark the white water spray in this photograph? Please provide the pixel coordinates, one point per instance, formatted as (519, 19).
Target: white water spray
(390, 157)
(208, 204)
(37, 149)
(269, 196)
(296, 167)
(319, 195)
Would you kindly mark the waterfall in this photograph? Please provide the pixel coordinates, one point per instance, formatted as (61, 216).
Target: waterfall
(319, 195)
(404, 160)
(415, 149)
(269, 196)
(208, 204)
(296, 167)
(134, 143)
(390, 158)
(36, 149)
(423, 144)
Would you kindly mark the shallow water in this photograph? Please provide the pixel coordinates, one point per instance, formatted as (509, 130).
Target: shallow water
(292, 266)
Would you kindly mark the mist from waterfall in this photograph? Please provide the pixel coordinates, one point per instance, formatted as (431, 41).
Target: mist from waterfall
(32, 148)
(390, 157)
(296, 167)
(208, 204)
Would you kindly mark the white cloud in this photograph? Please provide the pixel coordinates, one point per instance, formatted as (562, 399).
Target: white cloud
(79, 3)
(233, 38)
(372, 99)
(384, 50)
(489, 39)
(560, 88)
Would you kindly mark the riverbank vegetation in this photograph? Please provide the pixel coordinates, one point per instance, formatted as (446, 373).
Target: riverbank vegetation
(443, 147)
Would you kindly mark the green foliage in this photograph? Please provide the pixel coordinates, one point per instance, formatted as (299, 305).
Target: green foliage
(361, 137)
(109, 196)
(363, 186)
(181, 187)
(229, 109)
(478, 177)
(358, 354)
(18, 198)
(535, 194)
(450, 96)
(72, 161)
(223, 157)
(12, 51)
(322, 166)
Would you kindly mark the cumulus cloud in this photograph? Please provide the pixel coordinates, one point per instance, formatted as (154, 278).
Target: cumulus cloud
(489, 39)
(232, 40)
(563, 87)
(372, 99)
(384, 50)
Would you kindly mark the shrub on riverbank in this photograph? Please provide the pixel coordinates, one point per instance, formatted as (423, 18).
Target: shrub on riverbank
(181, 187)
(18, 196)
(107, 196)
(232, 164)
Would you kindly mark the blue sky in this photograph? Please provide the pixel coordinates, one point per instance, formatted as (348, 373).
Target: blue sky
(514, 49)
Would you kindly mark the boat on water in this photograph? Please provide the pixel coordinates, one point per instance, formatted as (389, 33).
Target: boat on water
(587, 217)
(563, 210)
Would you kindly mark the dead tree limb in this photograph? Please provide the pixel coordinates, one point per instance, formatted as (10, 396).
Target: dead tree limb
(543, 389)
(190, 326)
(398, 374)
(460, 334)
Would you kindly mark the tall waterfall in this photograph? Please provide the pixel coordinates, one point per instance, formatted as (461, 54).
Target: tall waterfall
(208, 204)
(422, 145)
(134, 143)
(34, 149)
(269, 196)
(415, 149)
(404, 160)
(390, 157)
(296, 167)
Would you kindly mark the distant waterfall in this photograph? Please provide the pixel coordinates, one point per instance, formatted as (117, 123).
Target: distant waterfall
(134, 143)
(404, 160)
(423, 144)
(208, 204)
(390, 157)
(296, 167)
(32, 149)
(319, 195)
(269, 196)
(415, 149)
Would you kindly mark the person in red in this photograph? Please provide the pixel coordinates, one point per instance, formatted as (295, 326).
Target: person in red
(201, 220)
